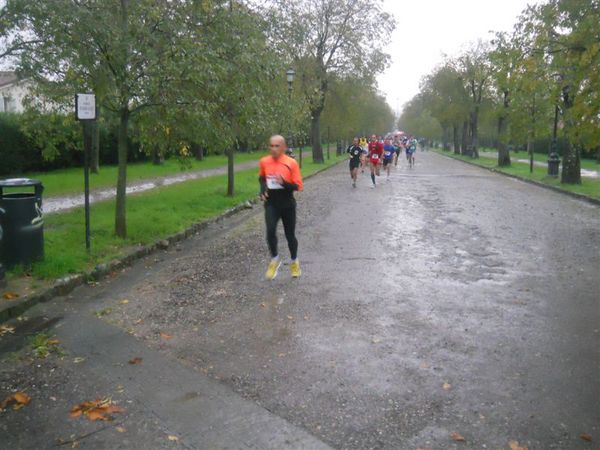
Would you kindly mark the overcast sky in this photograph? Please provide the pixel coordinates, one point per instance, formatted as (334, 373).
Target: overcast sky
(429, 28)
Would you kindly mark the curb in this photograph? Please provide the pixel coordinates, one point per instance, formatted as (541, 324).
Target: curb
(585, 198)
(65, 285)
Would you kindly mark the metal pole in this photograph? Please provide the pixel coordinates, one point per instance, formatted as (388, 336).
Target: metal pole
(328, 133)
(87, 147)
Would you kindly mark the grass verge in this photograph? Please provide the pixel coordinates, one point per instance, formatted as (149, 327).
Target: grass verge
(589, 186)
(151, 216)
(70, 181)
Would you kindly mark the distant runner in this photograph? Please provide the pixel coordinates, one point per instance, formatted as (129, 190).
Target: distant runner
(375, 154)
(279, 176)
(355, 153)
(411, 149)
(388, 157)
(365, 150)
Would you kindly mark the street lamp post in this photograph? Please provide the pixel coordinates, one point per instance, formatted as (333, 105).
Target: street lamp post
(290, 75)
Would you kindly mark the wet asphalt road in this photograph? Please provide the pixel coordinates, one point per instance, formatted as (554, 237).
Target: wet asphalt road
(448, 300)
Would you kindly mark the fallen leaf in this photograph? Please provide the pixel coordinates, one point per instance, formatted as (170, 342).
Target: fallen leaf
(136, 360)
(18, 400)
(99, 409)
(137, 322)
(124, 301)
(165, 335)
(120, 429)
(514, 445)
(10, 295)
(263, 305)
(78, 360)
(290, 317)
(376, 341)
(457, 437)
(53, 342)
(4, 329)
(586, 437)
(172, 438)
(447, 386)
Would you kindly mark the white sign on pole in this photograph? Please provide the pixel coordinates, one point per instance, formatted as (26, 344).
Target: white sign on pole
(85, 105)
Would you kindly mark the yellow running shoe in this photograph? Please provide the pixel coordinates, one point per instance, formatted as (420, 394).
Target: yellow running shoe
(295, 268)
(273, 269)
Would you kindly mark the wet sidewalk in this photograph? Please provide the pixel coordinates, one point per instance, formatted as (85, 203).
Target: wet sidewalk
(64, 203)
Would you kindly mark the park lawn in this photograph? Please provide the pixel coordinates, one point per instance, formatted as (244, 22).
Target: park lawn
(151, 216)
(590, 164)
(588, 186)
(70, 181)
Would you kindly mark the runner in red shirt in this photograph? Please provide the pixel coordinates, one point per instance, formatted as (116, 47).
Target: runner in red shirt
(375, 155)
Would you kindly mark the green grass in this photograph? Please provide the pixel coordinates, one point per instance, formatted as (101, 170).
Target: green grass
(590, 164)
(588, 186)
(151, 216)
(70, 181)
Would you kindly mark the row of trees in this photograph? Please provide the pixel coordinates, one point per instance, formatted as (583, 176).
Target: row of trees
(196, 74)
(520, 86)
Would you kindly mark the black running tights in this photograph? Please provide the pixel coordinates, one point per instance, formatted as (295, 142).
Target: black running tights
(288, 217)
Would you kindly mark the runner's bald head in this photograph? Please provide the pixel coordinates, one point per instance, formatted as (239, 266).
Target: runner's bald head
(277, 145)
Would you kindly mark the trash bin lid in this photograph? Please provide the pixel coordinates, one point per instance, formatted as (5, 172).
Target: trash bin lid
(19, 182)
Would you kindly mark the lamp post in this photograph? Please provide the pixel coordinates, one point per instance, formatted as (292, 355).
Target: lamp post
(290, 75)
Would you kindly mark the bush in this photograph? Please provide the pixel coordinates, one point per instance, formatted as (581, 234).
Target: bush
(36, 143)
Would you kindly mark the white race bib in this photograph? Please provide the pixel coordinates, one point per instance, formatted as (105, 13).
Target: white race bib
(375, 156)
(272, 182)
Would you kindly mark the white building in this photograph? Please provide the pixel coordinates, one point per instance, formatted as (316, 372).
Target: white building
(12, 92)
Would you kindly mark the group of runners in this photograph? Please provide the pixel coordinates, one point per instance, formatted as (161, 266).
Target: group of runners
(380, 152)
(279, 177)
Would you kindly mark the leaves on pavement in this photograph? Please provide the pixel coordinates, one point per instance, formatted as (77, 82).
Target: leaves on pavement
(5, 329)
(586, 437)
(172, 438)
(457, 437)
(514, 445)
(99, 409)
(446, 386)
(165, 335)
(17, 400)
(10, 296)
(136, 360)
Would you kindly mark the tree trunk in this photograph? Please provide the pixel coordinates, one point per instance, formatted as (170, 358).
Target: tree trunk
(445, 137)
(475, 133)
(503, 153)
(530, 152)
(455, 139)
(95, 156)
(571, 164)
(315, 133)
(120, 215)
(198, 152)
(465, 138)
(230, 172)
(157, 158)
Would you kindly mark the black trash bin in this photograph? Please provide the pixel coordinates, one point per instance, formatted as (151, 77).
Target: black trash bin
(22, 221)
